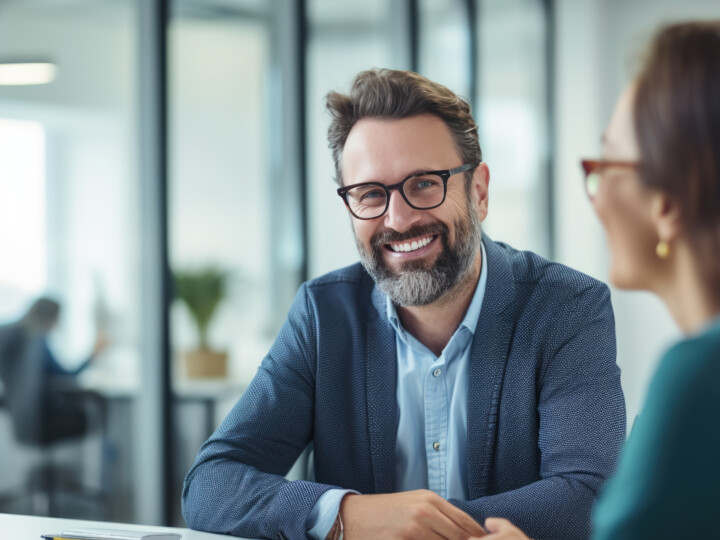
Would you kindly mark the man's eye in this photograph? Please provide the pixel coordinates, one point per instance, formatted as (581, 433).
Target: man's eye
(374, 194)
(421, 184)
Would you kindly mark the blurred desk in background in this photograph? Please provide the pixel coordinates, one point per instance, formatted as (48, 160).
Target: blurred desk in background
(198, 407)
(205, 392)
(208, 393)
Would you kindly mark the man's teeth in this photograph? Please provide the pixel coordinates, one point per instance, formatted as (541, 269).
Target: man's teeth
(411, 246)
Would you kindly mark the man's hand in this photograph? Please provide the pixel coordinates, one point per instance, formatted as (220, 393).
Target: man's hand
(502, 529)
(417, 515)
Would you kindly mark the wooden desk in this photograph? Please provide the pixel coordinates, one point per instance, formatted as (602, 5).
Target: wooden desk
(31, 527)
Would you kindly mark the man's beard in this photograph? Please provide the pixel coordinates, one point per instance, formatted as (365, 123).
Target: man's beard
(414, 284)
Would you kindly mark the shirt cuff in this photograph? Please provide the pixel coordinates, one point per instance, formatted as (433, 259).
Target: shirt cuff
(323, 514)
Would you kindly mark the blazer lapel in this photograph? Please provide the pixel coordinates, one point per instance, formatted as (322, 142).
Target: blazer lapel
(381, 378)
(488, 357)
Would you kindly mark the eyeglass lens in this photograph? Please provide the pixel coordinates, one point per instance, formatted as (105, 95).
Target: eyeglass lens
(369, 201)
(592, 182)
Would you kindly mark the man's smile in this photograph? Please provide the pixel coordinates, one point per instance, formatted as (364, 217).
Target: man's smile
(411, 245)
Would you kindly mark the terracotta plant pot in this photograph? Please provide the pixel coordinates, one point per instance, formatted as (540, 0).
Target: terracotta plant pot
(205, 364)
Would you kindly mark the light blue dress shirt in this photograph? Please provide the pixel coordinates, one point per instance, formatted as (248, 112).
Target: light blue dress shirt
(430, 449)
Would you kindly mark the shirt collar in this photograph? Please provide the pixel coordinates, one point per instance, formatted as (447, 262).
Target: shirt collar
(472, 315)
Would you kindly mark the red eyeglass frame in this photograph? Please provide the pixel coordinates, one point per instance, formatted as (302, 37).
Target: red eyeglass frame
(593, 165)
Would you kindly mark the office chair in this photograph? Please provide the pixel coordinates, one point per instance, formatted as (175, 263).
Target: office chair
(43, 417)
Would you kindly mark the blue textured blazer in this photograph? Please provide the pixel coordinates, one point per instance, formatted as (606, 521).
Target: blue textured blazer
(546, 414)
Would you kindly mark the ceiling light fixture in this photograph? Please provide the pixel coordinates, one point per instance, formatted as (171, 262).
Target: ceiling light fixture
(26, 73)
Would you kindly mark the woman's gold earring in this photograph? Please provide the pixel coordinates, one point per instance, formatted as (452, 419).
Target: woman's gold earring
(662, 249)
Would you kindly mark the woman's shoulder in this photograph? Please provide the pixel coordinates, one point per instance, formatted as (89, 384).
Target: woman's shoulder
(670, 465)
(694, 360)
(685, 390)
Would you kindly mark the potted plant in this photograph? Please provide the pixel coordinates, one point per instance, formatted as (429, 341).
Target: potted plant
(202, 290)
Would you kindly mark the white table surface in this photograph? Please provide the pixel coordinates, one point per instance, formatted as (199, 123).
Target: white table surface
(18, 527)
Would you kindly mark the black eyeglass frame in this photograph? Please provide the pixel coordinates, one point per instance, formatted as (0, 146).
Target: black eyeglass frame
(444, 174)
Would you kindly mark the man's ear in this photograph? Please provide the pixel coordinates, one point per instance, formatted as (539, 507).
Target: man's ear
(479, 190)
(666, 216)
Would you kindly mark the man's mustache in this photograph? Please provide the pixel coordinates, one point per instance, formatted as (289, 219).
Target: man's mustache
(391, 237)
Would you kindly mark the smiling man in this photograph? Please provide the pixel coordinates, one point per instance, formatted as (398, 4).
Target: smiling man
(443, 379)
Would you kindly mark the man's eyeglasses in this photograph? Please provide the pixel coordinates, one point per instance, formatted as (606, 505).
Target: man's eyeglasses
(422, 191)
(594, 173)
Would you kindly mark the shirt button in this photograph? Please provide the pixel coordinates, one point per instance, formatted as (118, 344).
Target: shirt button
(437, 372)
(436, 446)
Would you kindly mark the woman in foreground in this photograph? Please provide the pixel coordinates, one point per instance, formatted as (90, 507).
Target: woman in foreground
(657, 193)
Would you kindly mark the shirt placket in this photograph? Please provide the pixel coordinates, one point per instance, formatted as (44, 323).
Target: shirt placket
(436, 426)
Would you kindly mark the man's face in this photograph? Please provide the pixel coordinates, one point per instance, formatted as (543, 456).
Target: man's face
(415, 256)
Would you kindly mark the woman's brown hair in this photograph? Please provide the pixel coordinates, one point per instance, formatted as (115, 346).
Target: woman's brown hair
(677, 121)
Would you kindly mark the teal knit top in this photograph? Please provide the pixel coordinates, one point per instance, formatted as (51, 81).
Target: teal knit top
(668, 481)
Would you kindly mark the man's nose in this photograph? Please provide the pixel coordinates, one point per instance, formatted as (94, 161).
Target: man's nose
(400, 216)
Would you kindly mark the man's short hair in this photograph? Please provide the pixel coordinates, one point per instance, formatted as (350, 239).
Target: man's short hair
(391, 94)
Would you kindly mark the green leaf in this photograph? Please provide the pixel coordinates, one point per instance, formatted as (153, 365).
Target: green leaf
(202, 290)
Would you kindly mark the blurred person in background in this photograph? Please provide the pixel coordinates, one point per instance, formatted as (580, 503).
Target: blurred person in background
(656, 191)
(39, 391)
(442, 379)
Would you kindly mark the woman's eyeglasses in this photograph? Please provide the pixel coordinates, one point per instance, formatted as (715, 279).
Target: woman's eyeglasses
(594, 170)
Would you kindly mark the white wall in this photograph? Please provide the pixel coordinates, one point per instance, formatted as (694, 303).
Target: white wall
(599, 45)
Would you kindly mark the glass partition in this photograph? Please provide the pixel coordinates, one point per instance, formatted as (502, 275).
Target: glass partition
(235, 239)
(512, 114)
(445, 44)
(69, 199)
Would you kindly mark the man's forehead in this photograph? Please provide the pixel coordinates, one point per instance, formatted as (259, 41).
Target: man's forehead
(390, 149)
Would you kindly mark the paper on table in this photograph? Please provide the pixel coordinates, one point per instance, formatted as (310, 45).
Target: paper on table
(116, 534)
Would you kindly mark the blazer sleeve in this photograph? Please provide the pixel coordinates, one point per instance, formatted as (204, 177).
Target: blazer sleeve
(236, 485)
(581, 412)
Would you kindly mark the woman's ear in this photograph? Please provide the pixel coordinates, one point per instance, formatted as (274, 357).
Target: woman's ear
(667, 217)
